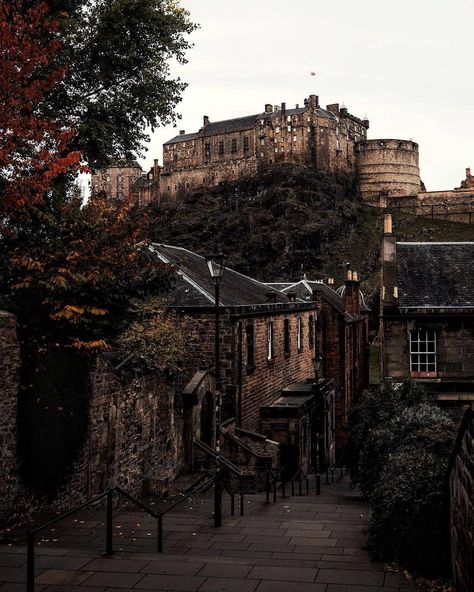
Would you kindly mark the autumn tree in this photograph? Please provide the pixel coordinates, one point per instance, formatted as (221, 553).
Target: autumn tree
(34, 146)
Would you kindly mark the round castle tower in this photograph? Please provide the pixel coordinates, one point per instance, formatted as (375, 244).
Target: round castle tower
(387, 167)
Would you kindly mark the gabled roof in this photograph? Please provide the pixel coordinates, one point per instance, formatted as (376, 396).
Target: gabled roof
(194, 286)
(182, 138)
(435, 275)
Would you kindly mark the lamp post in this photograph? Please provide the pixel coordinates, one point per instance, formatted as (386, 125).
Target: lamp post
(317, 361)
(216, 265)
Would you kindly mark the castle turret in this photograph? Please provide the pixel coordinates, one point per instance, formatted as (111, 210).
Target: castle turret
(387, 167)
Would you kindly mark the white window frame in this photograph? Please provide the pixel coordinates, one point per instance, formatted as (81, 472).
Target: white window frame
(270, 351)
(299, 333)
(423, 351)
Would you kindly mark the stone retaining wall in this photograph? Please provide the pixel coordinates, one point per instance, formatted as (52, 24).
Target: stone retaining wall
(461, 487)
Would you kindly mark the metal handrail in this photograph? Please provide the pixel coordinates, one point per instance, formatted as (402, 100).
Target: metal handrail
(301, 476)
(226, 462)
(108, 495)
(269, 478)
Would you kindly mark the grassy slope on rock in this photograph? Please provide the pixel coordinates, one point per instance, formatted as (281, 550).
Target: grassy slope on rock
(290, 220)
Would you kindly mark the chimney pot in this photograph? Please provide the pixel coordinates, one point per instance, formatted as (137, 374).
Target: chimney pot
(387, 224)
(283, 107)
(182, 132)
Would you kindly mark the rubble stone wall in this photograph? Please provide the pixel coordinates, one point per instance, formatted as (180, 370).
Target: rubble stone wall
(461, 488)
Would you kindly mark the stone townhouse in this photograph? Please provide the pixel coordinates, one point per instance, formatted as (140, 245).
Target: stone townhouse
(267, 350)
(341, 339)
(427, 315)
(226, 150)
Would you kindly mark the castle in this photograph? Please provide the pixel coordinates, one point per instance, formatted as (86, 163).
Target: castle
(331, 139)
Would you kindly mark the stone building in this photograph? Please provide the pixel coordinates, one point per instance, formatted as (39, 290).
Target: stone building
(116, 180)
(267, 344)
(341, 339)
(426, 315)
(226, 150)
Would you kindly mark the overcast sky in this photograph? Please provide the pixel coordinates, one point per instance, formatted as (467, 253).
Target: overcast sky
(406, 64)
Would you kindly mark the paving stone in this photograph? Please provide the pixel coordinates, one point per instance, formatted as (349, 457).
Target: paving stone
(352, 588)
(357, 565)
(276, 586)
(227, 538)
(264, 540)
(313, 541)
(295, 574)
(116, 564)
(12, 574)
(63, 577)
(11, 560)
(395, 579)
(308, 533)
(170, 582)
(224, 570)
(114, 579)
(61, 562)
(172, 567)
(228, 585)
(339, 576)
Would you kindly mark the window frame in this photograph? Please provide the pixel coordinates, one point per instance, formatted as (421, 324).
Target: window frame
(250, 342)
(299, 333)
(423, 353)
(287, 337)
(270, 343)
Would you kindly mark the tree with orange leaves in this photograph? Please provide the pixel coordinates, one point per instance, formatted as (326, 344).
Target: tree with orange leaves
(33, 145)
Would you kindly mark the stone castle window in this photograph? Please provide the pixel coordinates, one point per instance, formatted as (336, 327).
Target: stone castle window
(246, 144)
(423, 362)
(221, 148)
(233, 147)
(277, 129)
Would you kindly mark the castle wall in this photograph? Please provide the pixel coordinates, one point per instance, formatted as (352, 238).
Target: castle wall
(389, 167)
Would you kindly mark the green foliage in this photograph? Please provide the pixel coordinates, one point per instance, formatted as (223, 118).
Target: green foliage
(399, 445)
(118, 79)
(156, 341)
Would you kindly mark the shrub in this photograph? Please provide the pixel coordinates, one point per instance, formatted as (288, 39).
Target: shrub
(399, 449)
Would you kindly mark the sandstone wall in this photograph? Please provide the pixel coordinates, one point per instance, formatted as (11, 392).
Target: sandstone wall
(134, 437)
(390, 167)
(461, 488)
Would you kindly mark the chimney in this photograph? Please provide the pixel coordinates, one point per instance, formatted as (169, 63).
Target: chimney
(313, 101)
(343, 110)
(351, 293)
(468, 173)
(205, 120)
(268, 108)
(330, 281)
(333, 108)
(291, 296)
(276, 108)
(306, 102)
(182, 132)
(297, 106)
(283, 108)
(388, 259)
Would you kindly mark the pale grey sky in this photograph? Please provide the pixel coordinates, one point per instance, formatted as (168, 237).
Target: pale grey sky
(405, 64)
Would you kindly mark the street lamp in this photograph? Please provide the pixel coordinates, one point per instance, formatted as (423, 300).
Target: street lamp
(317, 362)
(216, 265)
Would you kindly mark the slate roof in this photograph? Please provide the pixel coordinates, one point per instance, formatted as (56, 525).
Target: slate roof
(435, 275)
(182, 138)
(240, 124)
(194, 286)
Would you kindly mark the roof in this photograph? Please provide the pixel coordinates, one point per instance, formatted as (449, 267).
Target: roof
(194, 286)
(240, 124)
(435, 275)
(182, 138)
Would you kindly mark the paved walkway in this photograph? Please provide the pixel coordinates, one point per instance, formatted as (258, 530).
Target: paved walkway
(300, 544)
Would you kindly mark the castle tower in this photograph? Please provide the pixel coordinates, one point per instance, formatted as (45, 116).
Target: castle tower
(388, 168)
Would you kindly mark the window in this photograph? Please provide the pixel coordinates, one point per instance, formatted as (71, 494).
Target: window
(270, 352)
(311, 332)
(277, 129)
(289, 128)
(294, 138)
(262, 141)
(286, 337)
(250, 347)
(233, 147)
(246, 144)
(221, 148)
(288, 118)
(422, 352)
(299, 333)
(207, 149)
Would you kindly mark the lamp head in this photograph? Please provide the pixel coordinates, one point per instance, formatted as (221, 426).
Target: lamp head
(216, 264)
